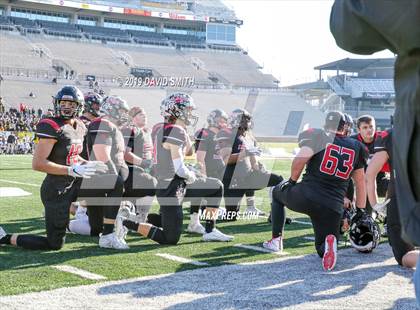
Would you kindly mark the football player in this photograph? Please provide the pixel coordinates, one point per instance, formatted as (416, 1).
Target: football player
(103, 193)
(405, 253)
(176, 181)
(80, 225)
(140, 185)
(367, 134)
(209, 161)
(331, 158)
(243, 171)
(57, 154)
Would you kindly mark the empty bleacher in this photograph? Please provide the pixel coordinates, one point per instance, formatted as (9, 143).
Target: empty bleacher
(61, 29)
(86, 58)
(239, 69)
(272, 115)
(16, 52)
(106, 34)
(6, 24)
(26, 25)
(148, 37)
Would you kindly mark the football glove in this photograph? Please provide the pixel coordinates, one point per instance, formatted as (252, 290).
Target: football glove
(380, 208)
(87, 170)
(287, 184)
(191, 178)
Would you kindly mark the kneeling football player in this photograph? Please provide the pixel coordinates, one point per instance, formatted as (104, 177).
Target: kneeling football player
(331, 159)
(177, 182)
(57, 154)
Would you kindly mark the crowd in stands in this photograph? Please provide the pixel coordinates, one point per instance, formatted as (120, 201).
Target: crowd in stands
(16, 128)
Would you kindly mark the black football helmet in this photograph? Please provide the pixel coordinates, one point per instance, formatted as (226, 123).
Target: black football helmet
(240, 119)
(68, 93)
(116, 108)
(179, 106)
(364, 232)
(348, 126)
(91, 99)
(213, 119)
(335, 120)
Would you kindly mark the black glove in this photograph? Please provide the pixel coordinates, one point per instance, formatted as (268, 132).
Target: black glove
(287, 184)
(146, 164)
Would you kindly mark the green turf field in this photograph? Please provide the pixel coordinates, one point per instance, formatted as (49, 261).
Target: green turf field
(25, 271)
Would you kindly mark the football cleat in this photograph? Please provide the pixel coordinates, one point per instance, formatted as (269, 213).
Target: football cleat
(196, 228)
(254, 210)
(111, 241)
(274, 245)
(216, 235)
(330, 254)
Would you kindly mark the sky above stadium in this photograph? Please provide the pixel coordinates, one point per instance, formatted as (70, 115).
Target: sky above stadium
(289, 38)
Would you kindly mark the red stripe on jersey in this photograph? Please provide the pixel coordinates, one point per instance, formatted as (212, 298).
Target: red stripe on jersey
(50, 122)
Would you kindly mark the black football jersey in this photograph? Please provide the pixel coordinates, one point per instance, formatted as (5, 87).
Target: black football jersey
(69, 139)
(139, 141)
(328, 171)
(384, 144)
(172, 134)
(103, 131)
(228, 138)
(84, 153)
(205, 140)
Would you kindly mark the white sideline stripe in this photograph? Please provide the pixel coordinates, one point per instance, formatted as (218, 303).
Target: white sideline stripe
(301, 222)
(181, 259)
(79, 272)
(15, 182)
(259, 249)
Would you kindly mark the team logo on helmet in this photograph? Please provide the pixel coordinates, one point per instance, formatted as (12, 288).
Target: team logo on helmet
(72, 94)
(179, 106)
(116, 108)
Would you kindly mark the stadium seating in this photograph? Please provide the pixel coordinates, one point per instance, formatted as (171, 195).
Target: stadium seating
(6, 24)
(357, 86)
(272, 111)
(106, 34)
(150, 38)
(237, 68)
(26, 25)
(61, 29)
(16, 52)
(99, 61)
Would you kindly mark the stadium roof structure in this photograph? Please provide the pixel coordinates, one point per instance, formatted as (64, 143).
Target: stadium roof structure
(357, 65)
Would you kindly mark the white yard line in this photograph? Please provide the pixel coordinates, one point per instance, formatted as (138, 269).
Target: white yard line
(181, 259)
(79, 272)
(301, 222)
(21, 183)
(259, 249)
